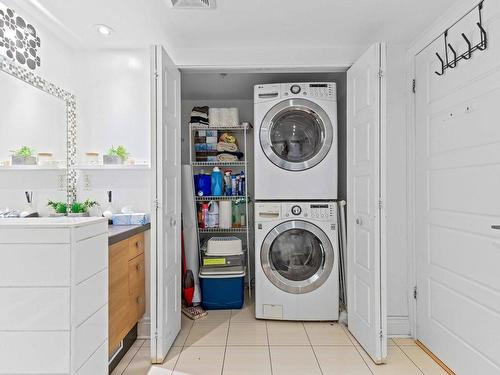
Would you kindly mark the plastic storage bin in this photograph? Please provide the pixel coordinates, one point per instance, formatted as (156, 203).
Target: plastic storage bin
(222, 288)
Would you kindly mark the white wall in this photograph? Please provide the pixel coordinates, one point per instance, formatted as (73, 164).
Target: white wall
(113, 96)
(114, 101)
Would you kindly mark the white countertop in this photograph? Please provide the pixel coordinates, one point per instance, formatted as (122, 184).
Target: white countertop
(62, 221)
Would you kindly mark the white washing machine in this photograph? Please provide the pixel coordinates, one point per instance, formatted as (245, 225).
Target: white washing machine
(296, 261)
(295, 146)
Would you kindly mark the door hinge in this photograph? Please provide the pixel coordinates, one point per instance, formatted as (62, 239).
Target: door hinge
(415, 292)
(380, 73)
(156, 74)
(156, 204)
(414, 86)
(380, 203)
(381, 334)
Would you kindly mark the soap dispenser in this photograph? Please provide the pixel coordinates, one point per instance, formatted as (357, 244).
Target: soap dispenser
(108, 212)
(29, 210)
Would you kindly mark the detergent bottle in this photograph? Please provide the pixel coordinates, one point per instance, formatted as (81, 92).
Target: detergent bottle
(216, 182)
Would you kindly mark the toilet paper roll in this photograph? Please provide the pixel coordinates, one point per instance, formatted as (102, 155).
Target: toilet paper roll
(225, 214)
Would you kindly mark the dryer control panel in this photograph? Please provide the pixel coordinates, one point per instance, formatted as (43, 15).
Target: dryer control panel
(322, 211)
(317, 90)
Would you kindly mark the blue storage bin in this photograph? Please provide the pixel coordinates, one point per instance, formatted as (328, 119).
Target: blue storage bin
(220, 291)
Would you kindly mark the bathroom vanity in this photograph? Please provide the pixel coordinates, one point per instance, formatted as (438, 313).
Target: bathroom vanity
(54, 293)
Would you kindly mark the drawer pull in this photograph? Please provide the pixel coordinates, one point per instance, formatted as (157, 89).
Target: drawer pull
(138, 267)
(140, 300)
(138, 244)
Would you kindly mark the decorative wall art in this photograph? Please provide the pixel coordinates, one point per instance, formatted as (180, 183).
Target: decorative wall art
(19, 40)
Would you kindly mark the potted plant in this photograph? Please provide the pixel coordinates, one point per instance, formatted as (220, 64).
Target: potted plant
(116, 155)
(75, 209)
(23, 156)
(60, 208)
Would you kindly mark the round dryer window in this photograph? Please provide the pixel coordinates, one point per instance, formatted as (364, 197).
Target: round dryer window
(296, 134)
(297, 257)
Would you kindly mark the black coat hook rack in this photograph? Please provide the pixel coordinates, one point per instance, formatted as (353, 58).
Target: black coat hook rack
(481, 46)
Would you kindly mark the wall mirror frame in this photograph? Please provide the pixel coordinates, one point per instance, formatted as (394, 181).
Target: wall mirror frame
(11, 68)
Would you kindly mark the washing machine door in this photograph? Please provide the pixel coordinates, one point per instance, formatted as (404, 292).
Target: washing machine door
(297, 256)
(296, 134)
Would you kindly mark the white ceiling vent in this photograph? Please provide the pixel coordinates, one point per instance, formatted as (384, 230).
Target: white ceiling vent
(192, 4)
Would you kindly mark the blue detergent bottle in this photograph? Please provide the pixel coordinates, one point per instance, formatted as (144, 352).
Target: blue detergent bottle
(216, 182)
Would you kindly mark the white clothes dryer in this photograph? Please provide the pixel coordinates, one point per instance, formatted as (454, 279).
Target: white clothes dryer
(295, 146)
(296, 261)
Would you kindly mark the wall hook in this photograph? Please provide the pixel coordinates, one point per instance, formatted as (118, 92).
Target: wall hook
(484, 38)
(442, 65)
(454, 62)
(468, 54)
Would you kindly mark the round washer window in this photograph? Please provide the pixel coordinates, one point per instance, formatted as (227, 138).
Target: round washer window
(296, 255)
(296, 134)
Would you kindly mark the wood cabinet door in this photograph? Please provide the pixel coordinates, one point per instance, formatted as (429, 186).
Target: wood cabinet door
(119, 317)
(136, 282)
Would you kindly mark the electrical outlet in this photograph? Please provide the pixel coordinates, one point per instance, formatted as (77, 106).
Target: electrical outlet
(86, 182)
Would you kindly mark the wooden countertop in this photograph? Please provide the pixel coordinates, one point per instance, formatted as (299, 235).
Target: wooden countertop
(117, 233)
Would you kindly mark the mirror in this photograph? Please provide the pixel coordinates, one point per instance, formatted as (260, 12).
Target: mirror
(37, 142)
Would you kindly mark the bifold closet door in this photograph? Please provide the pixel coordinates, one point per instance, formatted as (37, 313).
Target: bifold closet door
(458, 199)
(166, 217)
(366, 256)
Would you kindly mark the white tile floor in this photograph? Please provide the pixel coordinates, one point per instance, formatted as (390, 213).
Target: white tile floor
(235, 343)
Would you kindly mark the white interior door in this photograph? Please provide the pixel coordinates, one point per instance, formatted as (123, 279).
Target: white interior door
(457, 200)
(365, 194)
(166, 242)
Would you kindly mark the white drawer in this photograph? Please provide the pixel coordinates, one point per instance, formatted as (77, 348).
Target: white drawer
(34, 265)
(90, 336)
(91, 230)
(91, 256)
(91, 295)
(36, 235)
(98, 363)
(34, 352)
(34, 309)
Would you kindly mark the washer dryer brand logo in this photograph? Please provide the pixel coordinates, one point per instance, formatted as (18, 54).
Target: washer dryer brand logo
(18, 39)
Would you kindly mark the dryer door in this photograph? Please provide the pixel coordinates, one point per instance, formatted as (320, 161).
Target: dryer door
(296, 134)
(297, 257)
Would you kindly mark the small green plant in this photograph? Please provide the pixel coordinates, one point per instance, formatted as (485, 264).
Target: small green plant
(75, 208)
(119, 151)
(24, 151)
(59, 207)
(80, 208)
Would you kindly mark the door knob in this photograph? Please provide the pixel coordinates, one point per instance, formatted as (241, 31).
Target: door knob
(359, 221)
(173, 222)
(497, 227)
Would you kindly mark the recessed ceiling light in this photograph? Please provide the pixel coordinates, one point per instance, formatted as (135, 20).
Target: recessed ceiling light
(103, 30)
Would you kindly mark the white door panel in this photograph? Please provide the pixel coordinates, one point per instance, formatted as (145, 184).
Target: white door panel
(457, 201)
(166, 268)
(365, 221)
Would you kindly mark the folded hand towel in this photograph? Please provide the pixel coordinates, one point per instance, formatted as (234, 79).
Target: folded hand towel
(226, 137)
(226, 157)
(224, 146)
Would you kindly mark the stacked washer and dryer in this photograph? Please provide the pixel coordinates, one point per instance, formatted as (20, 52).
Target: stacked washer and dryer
(296, 246)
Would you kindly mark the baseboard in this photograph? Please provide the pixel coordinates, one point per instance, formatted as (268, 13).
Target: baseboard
(398, 326)
(144, 329)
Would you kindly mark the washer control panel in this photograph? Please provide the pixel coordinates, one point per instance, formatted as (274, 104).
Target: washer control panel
(318, 90)
(322, 211)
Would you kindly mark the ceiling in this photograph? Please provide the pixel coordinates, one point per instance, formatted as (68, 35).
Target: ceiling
(242, 24)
